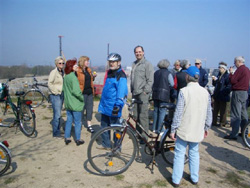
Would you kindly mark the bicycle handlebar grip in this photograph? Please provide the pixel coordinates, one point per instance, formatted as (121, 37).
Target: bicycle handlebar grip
(115, 110)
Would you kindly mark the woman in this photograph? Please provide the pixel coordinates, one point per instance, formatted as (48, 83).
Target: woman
(163, 80)
(74, 102)
(221, 94)
(55, 85)
(86, 79)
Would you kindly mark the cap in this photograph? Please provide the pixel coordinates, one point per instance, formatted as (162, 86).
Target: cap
(197, 61)
(192, 71)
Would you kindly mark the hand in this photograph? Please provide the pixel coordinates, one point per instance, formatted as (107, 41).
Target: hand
(231, 69)
(205, 134)
(115, 111)
(172, 136)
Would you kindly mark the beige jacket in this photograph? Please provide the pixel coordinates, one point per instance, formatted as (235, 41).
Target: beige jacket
(55, 82)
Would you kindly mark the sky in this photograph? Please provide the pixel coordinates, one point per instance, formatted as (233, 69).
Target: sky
(212, 30)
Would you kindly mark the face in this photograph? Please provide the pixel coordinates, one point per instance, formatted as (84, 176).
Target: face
(113, 65)
(222, 70)
(236, 63)
(60, 64)
(177, 66)
(86, 63)
(75, 67)
(198, 65)
(139, 54)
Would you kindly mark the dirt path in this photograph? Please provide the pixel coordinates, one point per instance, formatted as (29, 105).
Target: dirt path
(44, 162)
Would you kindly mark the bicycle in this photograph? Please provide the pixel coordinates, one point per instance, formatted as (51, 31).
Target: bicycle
(24, 114)
(35, 94)
(124, 147)
(5, 157)
(246, 135)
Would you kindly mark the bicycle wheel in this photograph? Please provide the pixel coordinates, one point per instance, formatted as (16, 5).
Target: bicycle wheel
(5, 160)
(35, 96)
(27, 120)
(116, 154)
(246, 135)
(167, 149)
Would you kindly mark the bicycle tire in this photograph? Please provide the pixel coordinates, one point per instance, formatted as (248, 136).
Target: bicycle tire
(35, 96)
(167, 150)
(27, 120)
(5, 160)
(246, 135)
(116, 159)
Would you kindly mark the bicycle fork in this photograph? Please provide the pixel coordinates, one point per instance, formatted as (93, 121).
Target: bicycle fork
(152, 162)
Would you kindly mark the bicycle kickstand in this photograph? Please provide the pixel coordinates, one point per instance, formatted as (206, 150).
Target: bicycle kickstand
(152, 162)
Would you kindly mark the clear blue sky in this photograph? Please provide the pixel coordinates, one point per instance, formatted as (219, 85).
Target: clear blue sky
(215, 30)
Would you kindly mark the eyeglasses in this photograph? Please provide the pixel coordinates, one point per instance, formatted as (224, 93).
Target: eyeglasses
(197, 63)
(61, 63)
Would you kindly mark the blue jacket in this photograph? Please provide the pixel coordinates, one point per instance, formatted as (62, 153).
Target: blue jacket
(203, 80)
(222, 88)
(114, 93)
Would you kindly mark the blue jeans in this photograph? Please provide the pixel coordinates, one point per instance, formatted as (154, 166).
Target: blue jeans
(179, 157)
(159, 114)
(77, 117)
(239, 116)
(105, 122)
(57, 102)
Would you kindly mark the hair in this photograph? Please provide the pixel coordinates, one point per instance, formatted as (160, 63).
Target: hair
(222, 63)
(192, 79)
(184, 63)
(138, 46)
(240, 58)
(69, 66)
(177, 62)
(163, 64)
(59, 58)
(81, 61)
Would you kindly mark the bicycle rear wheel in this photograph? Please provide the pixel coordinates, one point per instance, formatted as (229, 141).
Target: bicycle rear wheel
(27, 120)
(114, 155)
(35, 96)
(246, 135)
(5, 160)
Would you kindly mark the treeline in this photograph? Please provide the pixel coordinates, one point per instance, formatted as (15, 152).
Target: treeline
(21, 71)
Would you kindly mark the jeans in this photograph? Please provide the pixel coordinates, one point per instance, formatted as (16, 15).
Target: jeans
(88, 101)
(57, 102)
(179, 157)
(239, 116)
(159, 115)
(105, 122)
(77, 117)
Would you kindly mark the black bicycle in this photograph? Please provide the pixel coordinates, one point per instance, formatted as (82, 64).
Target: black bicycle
(246, 135)
(22, 112)
(5, 157)
(113, 149)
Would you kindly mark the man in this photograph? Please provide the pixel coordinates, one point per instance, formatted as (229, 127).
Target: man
(203, 80)
(192, 119)
(240, 84)
(141, 86)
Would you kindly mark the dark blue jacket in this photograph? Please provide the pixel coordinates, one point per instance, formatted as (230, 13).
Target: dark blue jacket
(222, 88)
(203, 80)
(114, 93)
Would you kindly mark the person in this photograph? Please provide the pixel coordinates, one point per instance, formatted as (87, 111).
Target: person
(86, 78)
(55, 85)
(240, 84)
(163, 80)
(180, 77)
(177, 67)
(221, 94)
(192, 119)
(113, 97)
(141, 86)
(203, 80)
(74, 102)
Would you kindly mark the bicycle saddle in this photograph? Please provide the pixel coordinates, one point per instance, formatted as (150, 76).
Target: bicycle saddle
(19, 93)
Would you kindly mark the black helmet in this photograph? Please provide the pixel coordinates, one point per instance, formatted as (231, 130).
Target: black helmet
(114, 57)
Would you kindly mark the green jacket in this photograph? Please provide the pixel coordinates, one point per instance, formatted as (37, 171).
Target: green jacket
(73, 97)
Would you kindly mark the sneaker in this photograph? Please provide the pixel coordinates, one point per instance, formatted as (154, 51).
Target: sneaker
(229, 137)
(90, 129)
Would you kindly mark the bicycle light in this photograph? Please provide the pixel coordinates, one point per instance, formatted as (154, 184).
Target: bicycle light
(5, 143)
(28, 102)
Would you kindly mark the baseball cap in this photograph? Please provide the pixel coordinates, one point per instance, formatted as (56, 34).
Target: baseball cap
(192, 71)
(197, 61)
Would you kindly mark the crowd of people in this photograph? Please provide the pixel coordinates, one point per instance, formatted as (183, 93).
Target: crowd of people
(196, 110)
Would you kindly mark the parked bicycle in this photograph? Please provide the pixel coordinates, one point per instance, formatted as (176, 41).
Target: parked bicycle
(124, 147)
(35, 94)
(5, 157)
(246, 135)
(24, 115)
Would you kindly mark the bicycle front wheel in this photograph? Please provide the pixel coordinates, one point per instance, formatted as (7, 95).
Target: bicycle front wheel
(246, 135)
(112, 150)
(5, 160)
(27, 120)
(35, 96)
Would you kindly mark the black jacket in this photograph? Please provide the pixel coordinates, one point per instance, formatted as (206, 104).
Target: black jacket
(203, 80)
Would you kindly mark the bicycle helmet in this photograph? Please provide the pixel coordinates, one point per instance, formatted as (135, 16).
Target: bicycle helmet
(114, 57)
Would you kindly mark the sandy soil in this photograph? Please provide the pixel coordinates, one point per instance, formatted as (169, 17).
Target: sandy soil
(43, 161)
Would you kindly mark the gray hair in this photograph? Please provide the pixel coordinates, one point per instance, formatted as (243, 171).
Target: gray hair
(163, 64)
(240, 58)
(192, 79)
(59, 58)
(184, 63)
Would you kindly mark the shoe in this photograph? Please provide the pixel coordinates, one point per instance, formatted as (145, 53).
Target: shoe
(67, 141)
(194, 183)
(58, 137)
(90, 129)
(175, 185)
(79, 142)
(230, 138)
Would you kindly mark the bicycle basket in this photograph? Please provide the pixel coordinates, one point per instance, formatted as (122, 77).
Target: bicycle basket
(3, 91)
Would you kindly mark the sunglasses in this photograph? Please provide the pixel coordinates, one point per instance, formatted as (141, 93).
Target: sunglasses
(197, 63)
(61, 63)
